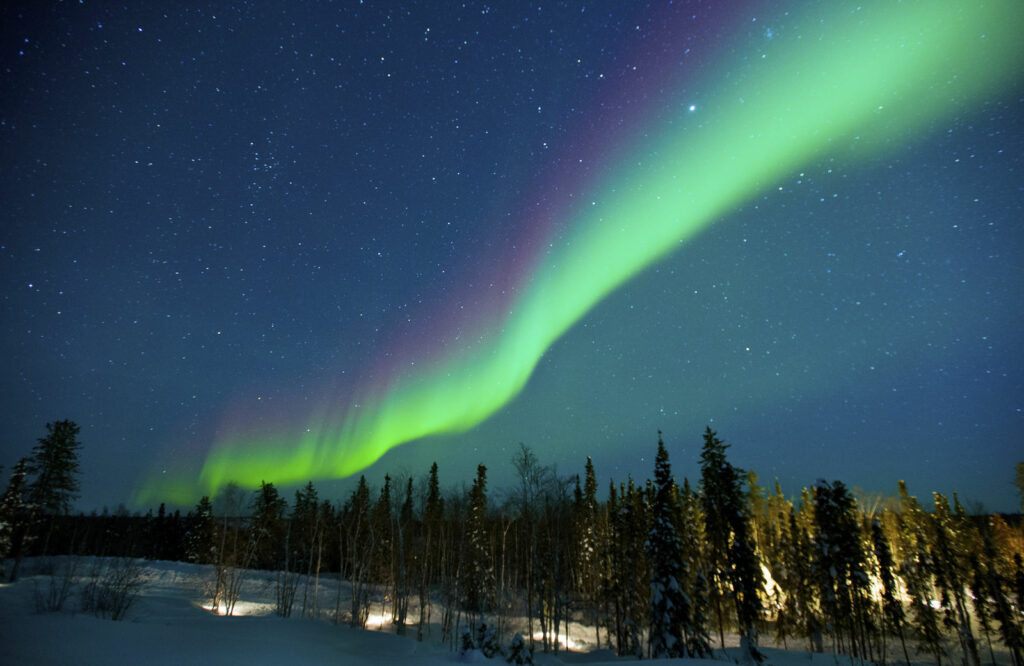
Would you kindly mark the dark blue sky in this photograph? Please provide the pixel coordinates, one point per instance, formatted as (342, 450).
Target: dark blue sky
(209, 205)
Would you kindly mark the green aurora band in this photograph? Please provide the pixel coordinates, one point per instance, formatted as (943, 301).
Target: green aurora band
(854, 83)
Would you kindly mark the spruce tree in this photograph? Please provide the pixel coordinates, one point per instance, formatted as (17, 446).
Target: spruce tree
(433, 515)
(14, 511)
(783, 568)
(979, 600)
(613, 587)
(1010, 630)
(748, 582)
(916, 571)
(801, 604)
(716, 485)
(892, 606)
(304, 522)
(306, 529)
(1018, 582)
(633, 528)
(691, 537)
(732, 555)
(356, 550)
(404, 532)
(949, 570)
(200, 535)
(668, 609)
(585, 519)
(267, 529)
(841, 572)
(382, 532)
(478, 577)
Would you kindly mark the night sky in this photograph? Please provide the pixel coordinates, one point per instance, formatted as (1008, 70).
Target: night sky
(275, 240)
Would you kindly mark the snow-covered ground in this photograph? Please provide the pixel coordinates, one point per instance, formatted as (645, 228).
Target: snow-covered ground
(168, 624)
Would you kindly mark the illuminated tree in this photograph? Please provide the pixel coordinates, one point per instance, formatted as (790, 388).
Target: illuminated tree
(915, 570)
(236, 551)
(894, 618)
(782, 567)
(949, 563)
(839, 564)
(801, 605)
(979, 600)
(732, 557)
(1002, 608)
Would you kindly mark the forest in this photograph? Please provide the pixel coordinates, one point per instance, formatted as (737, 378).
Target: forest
(654, 568)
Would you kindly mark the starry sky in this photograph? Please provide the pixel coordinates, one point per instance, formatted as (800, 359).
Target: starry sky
(305, 240)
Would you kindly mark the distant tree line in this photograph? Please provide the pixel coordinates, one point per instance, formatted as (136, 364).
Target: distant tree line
(657, 569)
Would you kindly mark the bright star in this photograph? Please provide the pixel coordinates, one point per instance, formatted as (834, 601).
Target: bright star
(693, 107)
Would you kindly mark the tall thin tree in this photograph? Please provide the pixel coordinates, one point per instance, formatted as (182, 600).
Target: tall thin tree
(669, 607)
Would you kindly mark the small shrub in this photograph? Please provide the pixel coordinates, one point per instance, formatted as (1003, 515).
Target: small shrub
(287, 585)
(58, 588)
(112, 588)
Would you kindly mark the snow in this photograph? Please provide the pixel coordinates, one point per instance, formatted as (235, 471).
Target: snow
(168, 625)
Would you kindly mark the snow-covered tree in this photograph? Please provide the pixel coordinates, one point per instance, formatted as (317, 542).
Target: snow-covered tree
(519, 652)
(14, 510)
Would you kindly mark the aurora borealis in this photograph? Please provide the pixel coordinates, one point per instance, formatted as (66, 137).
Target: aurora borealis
(591, 189)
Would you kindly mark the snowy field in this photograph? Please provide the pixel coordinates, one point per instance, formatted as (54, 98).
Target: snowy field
(168, 624)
